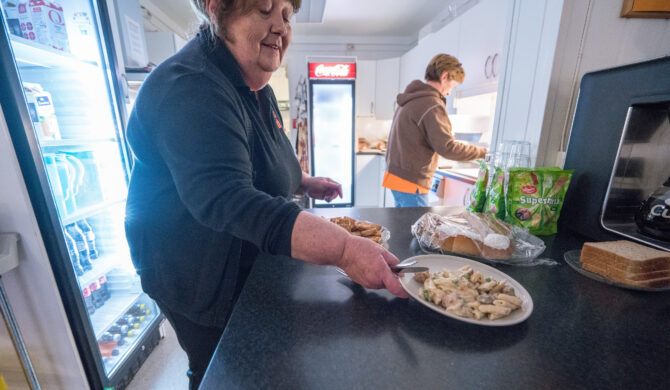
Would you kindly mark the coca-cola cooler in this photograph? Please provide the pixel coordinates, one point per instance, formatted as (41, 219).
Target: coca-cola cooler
(61, 103)
(331, 108)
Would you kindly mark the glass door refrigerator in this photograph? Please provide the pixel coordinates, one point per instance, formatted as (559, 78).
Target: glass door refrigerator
(331, 93)
(59, 97)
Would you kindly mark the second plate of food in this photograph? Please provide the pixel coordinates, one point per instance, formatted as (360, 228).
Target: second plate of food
(467, 293)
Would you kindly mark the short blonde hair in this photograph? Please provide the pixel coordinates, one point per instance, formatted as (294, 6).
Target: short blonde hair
(227, 9)
(445, 63)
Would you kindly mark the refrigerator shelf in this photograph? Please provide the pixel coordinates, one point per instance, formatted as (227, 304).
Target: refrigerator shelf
(89, 211)
(30, 53)
(74, 144)
(101, 266)
(112, 363)
(117, 305)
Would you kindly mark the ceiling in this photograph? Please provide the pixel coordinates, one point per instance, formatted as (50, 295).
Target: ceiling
(370, 18)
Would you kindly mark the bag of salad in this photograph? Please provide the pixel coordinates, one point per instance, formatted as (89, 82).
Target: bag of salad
(478, 194)
(495, 194)
(535, 198)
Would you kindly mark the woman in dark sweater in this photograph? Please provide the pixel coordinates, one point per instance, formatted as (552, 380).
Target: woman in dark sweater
(213, 172)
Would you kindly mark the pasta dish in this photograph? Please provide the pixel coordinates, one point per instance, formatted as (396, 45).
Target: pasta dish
(466, 293)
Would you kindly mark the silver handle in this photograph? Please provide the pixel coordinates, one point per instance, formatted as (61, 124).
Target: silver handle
(124, 84)
(372, 107)
(493, 66)
(486, 67)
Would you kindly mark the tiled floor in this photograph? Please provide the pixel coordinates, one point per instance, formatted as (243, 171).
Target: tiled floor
(165, 369)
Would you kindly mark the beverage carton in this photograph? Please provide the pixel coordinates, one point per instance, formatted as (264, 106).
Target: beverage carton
(12, 13)
(43, 22)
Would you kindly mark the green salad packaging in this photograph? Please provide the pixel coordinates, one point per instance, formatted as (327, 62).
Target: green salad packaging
(495, 194)
(478, 194)
(535, 197)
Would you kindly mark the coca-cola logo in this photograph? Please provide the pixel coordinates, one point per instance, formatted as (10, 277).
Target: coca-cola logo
(528, 190)
(332, 70)
(339, 70)
(55, 17)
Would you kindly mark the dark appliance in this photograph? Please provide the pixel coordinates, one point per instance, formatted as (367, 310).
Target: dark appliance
(620, 150)
(63, 107)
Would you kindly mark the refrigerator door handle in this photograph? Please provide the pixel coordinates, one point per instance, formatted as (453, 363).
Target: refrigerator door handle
(124, 84)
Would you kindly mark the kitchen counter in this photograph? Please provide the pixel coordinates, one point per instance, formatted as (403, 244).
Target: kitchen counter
(302, 326)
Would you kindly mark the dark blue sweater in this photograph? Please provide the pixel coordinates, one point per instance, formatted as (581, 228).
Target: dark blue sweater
(212, 175)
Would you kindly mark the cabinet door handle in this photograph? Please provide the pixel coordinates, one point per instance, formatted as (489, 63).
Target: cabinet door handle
(486, 67)
(372, 107)
(493, 66)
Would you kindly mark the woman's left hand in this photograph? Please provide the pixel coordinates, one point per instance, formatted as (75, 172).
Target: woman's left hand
(321, 188)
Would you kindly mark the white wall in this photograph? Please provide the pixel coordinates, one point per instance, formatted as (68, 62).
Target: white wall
(592, 36)
(31, 287)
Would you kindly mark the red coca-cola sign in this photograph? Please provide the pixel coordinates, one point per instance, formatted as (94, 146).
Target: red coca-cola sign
(529, 190)
(332, 70)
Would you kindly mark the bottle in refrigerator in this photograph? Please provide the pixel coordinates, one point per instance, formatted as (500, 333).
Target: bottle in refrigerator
(56, 186)
(74, 255)
(12, 17)
(98, 299)
(90, 239)
(139, 309)
(108, 344)
(130, 320)
(104, 288)
(88, 300)
(119, 329)
(81, 245)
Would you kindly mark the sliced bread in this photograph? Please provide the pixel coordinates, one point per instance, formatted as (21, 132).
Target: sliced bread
(627, 262)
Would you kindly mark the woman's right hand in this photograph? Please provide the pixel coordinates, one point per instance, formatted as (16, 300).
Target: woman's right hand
(368, 264)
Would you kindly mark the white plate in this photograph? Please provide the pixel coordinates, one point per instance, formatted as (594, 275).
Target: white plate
(436, 263)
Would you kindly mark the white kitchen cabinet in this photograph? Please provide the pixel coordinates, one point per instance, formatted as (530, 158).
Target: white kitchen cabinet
(368, 182)
(387, 76)
(365, 88)
(482, 29)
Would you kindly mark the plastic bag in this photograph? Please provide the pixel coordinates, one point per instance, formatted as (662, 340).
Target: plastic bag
(495, 195)
(479, 235)
(535, 198)
(478, 194)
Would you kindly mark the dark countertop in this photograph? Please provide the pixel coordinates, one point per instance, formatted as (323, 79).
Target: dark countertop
(301, 326)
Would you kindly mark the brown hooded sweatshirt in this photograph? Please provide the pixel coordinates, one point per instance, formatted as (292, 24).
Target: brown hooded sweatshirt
(421, 131)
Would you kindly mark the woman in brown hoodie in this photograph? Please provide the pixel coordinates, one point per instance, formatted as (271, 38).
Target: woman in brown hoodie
(421, 131)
